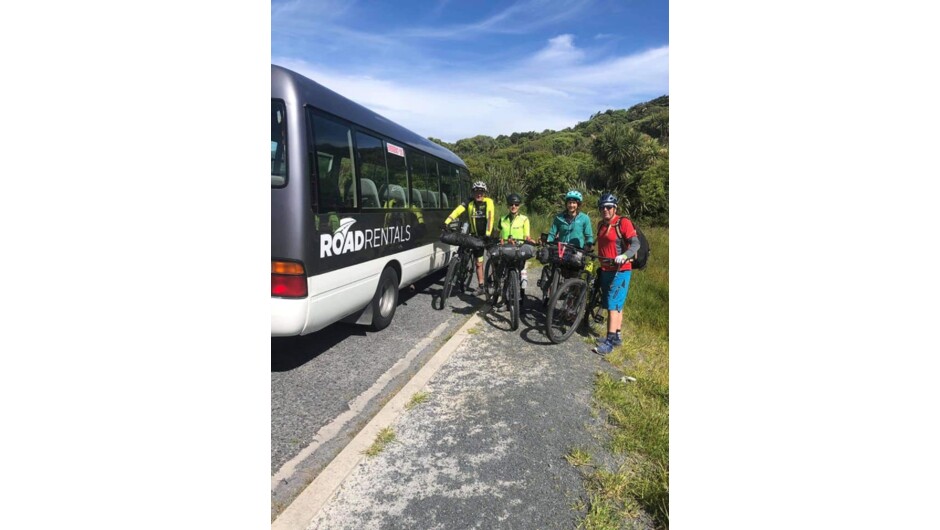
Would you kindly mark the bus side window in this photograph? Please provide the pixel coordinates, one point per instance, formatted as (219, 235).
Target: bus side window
(348, 180)
(463, 181)
(370, 195)
(429, 200)
(396, 197)
(433, 181)
(278, 144)
(371, 164)
(397, 175)
(450, 186)
(334, 153)
(423, 178)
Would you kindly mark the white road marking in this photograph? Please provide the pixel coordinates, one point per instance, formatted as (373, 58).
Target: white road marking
(305, 507)
(356, 406)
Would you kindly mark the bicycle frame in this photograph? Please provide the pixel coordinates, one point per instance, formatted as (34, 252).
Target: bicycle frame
(459, 274)
(502, 276)
(554, 273)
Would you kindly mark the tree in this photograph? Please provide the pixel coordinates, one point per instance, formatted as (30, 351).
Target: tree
(624, 154)
(549, 179)
(623, 151)
(656, 125)
(653, 193)
(618, 150)
(476, 145)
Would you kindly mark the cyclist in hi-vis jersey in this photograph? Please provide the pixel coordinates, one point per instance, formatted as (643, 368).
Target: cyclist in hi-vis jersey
(515, 226)
(482, 212)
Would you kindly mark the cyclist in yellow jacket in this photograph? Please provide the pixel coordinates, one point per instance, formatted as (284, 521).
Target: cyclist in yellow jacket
(515, 226)
(482, 213)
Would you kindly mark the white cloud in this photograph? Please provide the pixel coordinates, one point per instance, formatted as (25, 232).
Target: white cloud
(534, 89)
(559, 51)
(554, 87)
(450, 112)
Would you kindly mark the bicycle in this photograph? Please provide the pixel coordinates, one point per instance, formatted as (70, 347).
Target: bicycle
(549, 279)
(578, 297)
(502, 277)
(462, 268)
(594, 310)
(553, 271)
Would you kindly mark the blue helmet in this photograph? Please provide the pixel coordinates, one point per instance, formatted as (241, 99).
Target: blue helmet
(574, 195)
(607, 199)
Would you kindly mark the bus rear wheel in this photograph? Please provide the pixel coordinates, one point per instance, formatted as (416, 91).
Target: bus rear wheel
(385, 300)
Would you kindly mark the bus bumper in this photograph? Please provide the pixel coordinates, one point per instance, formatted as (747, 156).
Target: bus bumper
(288, 316)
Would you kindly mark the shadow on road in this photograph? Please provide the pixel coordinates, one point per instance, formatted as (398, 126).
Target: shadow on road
(531, 322)
(288, 353)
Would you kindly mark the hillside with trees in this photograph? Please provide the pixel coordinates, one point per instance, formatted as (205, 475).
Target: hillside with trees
(624, 151)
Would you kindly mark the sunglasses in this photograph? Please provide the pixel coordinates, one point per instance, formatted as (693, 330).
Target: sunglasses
(608, 207)
(514, 204)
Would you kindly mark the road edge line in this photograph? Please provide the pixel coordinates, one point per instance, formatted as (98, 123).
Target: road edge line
(311, 500)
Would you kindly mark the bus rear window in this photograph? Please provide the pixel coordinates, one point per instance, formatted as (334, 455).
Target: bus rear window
(278, 144)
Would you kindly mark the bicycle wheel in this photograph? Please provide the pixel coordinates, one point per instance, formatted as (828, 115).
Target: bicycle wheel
(592, 309)
(550, 281)
(469, 271)
(543, 283)
(490, 279)
(565, 309)
(512, 298)
(451, 278)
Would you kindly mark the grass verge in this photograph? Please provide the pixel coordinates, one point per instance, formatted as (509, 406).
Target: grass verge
(385, 437)
(637, 412)
(416, 399)
(578, 457)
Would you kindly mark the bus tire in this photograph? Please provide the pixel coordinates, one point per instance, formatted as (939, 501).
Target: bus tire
(385, 300)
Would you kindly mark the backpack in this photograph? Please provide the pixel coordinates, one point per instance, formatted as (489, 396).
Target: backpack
(643, 254)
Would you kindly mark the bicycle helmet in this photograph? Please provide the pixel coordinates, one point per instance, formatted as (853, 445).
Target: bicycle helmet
(574, 195)
(478, 185)
(606, 200)
(513, 198)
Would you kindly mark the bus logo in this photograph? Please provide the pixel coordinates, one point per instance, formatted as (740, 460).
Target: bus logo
(343, 240)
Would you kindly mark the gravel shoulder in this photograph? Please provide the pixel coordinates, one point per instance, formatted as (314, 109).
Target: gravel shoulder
(487, 449)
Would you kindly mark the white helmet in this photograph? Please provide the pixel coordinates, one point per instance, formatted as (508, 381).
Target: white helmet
(478, 185)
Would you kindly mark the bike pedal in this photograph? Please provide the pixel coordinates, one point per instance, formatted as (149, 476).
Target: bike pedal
(598, 318)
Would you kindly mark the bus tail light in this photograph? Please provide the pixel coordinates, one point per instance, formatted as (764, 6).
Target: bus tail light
(288, 279)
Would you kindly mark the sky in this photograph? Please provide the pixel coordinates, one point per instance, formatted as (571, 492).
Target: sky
(454, 69)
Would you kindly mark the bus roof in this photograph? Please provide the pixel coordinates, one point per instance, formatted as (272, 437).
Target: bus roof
(287, 83)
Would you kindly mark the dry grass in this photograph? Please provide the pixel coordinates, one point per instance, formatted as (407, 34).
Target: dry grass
(385, 437)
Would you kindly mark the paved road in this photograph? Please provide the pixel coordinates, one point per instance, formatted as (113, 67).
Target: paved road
(327, 385)
(487, 449)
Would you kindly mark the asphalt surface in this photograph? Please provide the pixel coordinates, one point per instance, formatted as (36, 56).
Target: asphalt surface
(327, 385)
(487, 449)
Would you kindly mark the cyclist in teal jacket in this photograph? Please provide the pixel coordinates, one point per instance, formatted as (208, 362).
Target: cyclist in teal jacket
(572, 225)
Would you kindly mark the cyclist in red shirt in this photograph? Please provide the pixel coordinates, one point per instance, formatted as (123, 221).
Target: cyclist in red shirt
(615, 274)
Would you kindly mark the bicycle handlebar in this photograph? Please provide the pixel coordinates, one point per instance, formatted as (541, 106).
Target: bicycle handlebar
(603, 260)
